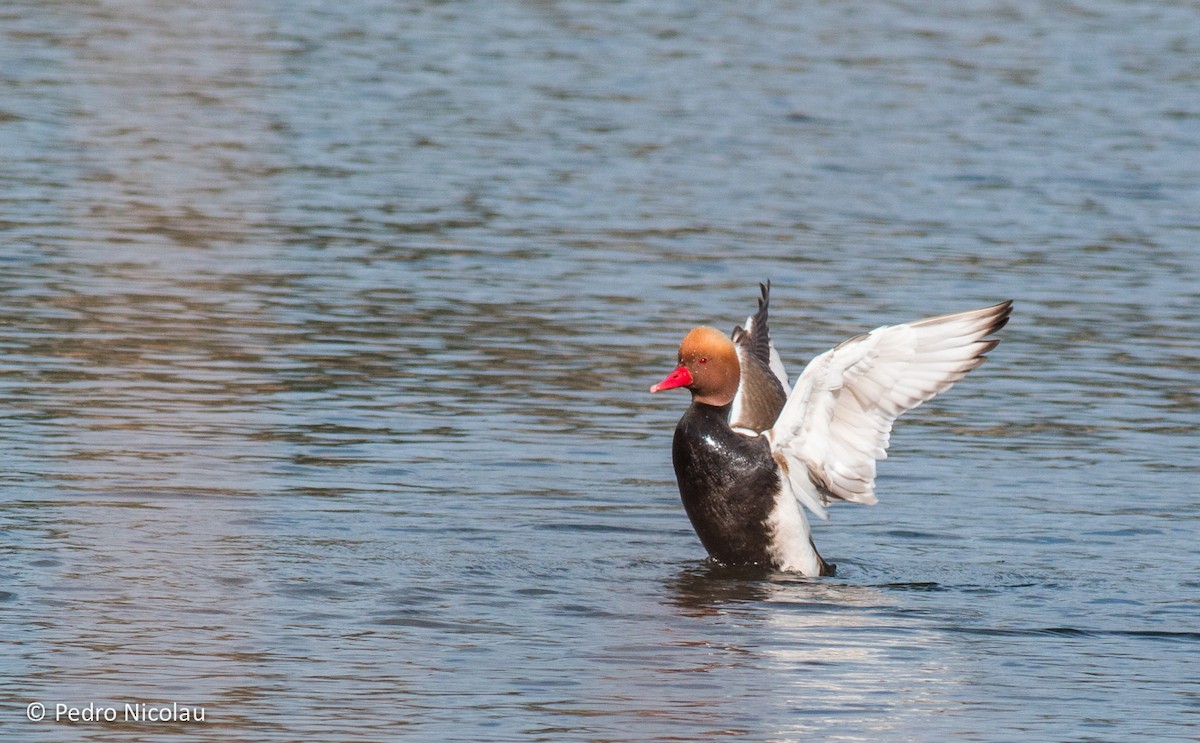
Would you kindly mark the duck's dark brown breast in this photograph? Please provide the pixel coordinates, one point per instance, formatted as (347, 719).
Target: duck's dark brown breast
(728, 483)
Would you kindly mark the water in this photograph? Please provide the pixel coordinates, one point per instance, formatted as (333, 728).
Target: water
(327, 330)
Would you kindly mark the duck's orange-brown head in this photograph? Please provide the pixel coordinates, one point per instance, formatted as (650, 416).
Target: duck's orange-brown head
(708, 366)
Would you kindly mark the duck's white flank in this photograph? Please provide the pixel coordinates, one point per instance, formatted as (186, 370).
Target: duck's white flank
(791, 545)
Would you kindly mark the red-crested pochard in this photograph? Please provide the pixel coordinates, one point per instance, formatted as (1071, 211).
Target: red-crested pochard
(750, 449)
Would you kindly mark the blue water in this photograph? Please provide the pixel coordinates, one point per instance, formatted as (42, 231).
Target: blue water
(326, 335)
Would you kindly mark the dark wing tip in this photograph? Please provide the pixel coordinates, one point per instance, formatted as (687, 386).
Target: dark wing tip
(1002, 313)
(758, 340)
(999, 318)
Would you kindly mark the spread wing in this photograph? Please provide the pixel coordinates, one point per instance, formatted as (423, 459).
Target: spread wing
(838, 420)
(763, 387)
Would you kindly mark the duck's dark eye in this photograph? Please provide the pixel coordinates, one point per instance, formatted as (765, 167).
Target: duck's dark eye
(703, 359)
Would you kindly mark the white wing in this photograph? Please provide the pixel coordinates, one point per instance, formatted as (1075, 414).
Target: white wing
(838, 419)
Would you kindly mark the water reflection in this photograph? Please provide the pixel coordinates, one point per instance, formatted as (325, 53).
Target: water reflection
(824, 648)
(708, 588)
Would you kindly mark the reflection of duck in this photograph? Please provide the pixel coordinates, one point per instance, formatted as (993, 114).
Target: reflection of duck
(748, 451)
(708, 587)
(703, 589)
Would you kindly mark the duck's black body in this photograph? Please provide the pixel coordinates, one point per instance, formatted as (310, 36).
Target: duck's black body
(728, 483)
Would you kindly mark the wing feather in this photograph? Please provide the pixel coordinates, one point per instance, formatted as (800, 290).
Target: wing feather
(757, 338)
(763, 387)
(837, 422)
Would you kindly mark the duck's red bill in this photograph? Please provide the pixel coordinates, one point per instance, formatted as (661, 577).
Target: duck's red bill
(681, 377)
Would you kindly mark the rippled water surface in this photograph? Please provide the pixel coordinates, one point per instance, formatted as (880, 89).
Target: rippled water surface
(327, 329)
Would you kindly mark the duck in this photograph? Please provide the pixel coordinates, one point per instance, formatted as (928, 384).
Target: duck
(753, 452)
